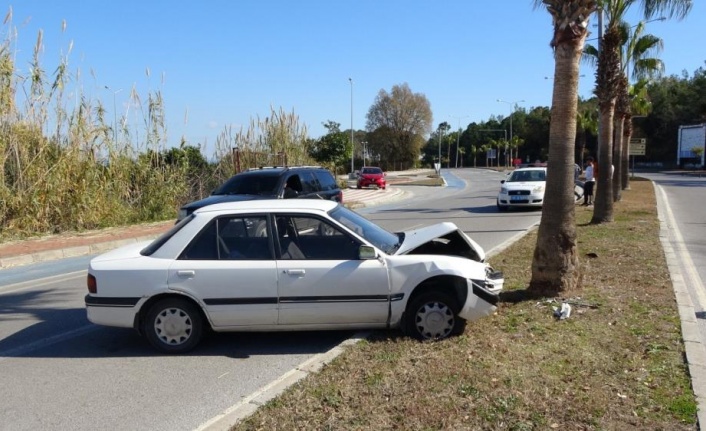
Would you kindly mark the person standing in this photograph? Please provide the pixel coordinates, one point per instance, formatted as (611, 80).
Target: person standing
(589, 183)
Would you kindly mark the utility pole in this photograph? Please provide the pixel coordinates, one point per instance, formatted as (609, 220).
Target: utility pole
(458, 136)
(352, 143)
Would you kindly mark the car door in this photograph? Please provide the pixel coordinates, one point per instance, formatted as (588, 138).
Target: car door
(230, 267)
(321, 280)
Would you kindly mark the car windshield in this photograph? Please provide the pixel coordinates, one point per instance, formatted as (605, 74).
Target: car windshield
(371, 171)
(263, 185)
(386, 241)
(534, 175)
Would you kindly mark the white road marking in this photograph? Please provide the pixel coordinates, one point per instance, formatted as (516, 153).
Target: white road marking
(691, 276)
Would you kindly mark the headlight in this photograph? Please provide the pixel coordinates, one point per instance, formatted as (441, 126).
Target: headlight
(538, 189)
(181, 214)
(503, 190)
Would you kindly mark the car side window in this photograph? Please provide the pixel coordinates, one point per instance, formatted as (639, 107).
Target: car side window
(231, 238)
(312, 238)
(326, 180)
(309, 183)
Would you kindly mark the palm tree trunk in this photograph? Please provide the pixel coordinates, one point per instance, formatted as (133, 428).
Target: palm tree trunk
(617, 158)
(624, 172)
(555, 262)
(603, 199)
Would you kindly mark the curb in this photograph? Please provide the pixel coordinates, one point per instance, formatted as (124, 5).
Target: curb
(695, 351)
(81, 250)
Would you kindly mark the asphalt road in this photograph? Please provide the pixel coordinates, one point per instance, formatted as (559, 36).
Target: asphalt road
(58, 371)
(683, 197)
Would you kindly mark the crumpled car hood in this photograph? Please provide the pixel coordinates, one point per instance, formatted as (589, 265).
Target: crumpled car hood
(441, 239)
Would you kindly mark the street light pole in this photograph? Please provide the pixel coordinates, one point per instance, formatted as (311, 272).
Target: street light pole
(458, 136)
(352, 143)
(513, 104)
(440, 131)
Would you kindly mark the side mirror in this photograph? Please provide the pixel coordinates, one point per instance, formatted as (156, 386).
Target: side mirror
(502, 181)
(366, 252)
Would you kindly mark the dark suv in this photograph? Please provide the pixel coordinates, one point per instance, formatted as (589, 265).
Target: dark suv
(308, 182)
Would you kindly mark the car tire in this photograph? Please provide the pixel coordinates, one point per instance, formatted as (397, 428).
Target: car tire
(358, 186)
(501, 208)
(433, 316)
(173, 325)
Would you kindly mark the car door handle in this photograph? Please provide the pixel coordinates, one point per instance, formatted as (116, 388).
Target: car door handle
(295, 272)
(186, 273)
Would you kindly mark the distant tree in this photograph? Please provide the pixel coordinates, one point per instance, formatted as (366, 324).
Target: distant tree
(334, 148)
(698, 153)
(586, 125)
(403, 118)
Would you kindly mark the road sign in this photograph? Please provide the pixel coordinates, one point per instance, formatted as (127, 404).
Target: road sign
(637, 148)
(638, 141)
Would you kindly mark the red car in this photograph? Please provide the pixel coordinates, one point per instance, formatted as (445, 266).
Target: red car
(371, 176)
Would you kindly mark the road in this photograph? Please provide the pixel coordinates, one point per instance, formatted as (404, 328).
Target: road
(58, 371)
(682, 198)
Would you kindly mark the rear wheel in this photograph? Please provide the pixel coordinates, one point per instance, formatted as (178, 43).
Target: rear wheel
(173, 325)
(433, 316)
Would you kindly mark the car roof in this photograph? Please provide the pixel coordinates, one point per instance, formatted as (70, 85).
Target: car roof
(266, 205)
(534, 168)
(280, 169)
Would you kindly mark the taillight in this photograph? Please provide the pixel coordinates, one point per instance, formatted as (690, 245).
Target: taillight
(91, 284)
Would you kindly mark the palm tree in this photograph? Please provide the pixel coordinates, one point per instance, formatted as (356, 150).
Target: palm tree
(608, 79)
(639, 105)
(555, 261)
(638, 52)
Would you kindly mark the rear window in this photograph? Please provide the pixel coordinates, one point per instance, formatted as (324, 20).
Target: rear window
(260, 184)
(372, 171)
(157, 243)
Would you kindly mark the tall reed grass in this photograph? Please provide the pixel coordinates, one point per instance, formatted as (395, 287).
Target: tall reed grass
(65, 167)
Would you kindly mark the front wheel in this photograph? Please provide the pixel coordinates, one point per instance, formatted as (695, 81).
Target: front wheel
(433, 316)
(173, 325)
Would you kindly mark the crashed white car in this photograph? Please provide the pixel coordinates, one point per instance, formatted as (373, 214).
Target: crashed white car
(290, 265)
(524, 187)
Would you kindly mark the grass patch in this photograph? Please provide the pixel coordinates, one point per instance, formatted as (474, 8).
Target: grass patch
(616, 363)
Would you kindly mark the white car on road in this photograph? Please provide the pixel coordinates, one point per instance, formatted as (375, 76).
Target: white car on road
(524, 187)
(290, 265)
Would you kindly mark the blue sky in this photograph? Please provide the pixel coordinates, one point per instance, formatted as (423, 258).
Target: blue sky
(222, 63)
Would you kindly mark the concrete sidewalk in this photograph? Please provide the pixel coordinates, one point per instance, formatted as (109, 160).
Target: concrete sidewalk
(52, 247)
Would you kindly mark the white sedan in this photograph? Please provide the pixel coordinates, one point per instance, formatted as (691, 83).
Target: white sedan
(523, 188)
(290, 265)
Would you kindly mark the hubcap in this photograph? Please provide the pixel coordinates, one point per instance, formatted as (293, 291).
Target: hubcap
(435, 320)
(173, 326)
